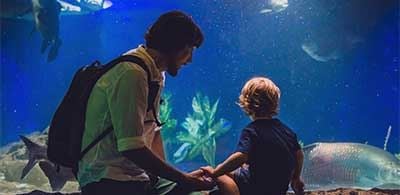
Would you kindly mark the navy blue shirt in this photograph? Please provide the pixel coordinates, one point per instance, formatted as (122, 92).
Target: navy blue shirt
(271, 147)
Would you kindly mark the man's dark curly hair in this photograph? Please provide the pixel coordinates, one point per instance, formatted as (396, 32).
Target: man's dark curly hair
(173, 31)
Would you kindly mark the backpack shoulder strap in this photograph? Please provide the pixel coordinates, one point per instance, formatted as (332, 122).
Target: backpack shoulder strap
(133, 59)
(95, 141)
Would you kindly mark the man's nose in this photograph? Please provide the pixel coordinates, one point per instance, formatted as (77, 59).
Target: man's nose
(190, 59)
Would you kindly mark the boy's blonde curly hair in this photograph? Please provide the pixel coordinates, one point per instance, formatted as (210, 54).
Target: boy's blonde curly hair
(260, 97)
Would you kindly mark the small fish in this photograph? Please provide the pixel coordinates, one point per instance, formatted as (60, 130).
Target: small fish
(330, 48)
(57, 176)
(275, 6)
(318, 54)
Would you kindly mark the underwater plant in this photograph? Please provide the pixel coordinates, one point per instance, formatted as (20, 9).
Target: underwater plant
(168, 131)
(387, 137)
(201, 131)
(301, 143)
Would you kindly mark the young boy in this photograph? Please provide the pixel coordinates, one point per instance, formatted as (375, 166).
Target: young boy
(268, 155)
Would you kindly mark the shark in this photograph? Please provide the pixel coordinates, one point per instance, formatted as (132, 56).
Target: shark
(57, 175)
(44, 13)
(46, 16)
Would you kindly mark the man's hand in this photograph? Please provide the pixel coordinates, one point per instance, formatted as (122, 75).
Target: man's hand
(196, 181)
(200, 173)
(298, 186)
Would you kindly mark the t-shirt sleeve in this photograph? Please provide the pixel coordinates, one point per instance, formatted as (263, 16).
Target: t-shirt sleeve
(127, 100)
(247, 139)
(291, 137)
(295, 145)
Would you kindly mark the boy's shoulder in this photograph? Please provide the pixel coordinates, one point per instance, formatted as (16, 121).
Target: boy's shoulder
(271, 124)
(266, 123)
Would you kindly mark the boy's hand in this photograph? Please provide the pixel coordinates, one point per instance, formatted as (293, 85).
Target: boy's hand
(197, 173)
(298, 186)
(208, 171)
(202, 174)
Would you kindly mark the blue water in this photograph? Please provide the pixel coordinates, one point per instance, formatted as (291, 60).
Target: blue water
(354, 98)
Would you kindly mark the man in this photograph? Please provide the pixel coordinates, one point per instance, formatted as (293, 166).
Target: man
(121, 162)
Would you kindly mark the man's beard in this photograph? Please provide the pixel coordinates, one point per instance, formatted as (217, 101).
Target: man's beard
(173, 71)
(172, 68)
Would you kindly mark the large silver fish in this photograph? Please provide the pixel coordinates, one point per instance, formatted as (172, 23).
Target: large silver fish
(349, 165)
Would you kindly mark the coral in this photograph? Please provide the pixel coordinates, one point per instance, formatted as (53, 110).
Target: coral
(201, 131)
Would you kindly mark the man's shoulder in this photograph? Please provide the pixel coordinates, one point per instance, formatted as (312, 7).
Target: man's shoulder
(125, 67)
(123, 70)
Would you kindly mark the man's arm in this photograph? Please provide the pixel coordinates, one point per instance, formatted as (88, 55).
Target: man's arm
(157, 146)
(147, 160)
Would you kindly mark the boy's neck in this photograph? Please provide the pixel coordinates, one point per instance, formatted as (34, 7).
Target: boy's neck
(258, 118)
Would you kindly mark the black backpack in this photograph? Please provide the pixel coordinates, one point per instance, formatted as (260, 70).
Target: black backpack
(68, 122)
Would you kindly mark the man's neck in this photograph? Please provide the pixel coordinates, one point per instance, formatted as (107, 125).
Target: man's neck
(158, 58)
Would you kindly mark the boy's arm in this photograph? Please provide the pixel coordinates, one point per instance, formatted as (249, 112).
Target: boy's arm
(231, 163)
(296, 183)
(236, 159)
(299, 164)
